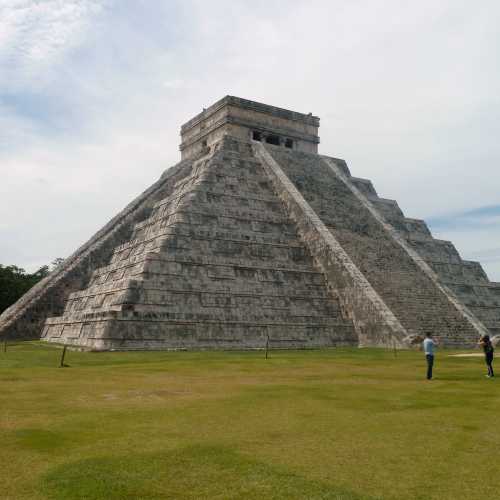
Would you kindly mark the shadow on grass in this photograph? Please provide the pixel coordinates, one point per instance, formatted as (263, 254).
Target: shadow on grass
(39, 439)
(193, 472)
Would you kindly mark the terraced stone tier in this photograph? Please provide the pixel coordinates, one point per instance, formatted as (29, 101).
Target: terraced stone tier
(252, 243)
(465, 279)
(418, 300)
(217, 264)
(254, 237)
(25, 318)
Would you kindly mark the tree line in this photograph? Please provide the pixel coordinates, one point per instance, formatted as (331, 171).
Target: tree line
(15, 281)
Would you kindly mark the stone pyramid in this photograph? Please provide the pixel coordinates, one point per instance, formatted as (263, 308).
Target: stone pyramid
(252, 238)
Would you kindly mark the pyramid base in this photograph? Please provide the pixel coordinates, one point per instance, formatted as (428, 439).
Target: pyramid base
(120, 331)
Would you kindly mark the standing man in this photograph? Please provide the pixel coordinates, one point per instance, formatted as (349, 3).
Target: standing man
(429, 346)
(488, 349)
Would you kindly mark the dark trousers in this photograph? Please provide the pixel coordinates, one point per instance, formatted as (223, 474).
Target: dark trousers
(430, 364)
(488, 357)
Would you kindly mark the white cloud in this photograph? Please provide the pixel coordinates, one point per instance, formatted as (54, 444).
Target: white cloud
(36, 35)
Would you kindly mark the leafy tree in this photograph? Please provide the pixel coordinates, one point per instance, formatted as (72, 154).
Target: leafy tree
(56, 264)
(15, 282)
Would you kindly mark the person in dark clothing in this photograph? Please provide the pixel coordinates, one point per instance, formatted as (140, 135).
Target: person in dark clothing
(488, 349)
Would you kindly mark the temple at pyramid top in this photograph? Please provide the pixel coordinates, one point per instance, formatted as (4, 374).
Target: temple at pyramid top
(247, 120)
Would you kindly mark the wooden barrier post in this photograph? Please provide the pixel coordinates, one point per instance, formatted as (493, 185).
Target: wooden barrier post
(267, 345)
(63, 354)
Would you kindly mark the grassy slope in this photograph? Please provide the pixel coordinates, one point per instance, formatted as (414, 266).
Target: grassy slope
(343, 424)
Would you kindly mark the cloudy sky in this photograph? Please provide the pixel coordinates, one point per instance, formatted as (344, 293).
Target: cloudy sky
(93, 92)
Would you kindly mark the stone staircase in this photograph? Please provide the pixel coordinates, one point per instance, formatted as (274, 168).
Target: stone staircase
(419, 302)
(465, 279)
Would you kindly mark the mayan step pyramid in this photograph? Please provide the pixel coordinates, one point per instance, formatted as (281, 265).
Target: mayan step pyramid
(255, 238)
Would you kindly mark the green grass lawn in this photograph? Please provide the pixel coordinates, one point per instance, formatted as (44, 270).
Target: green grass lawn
(346, 424)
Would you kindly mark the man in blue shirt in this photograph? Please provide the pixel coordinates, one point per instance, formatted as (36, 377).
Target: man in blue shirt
(429, 346)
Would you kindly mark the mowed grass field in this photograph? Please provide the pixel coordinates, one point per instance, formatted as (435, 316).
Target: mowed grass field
(346, 424)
